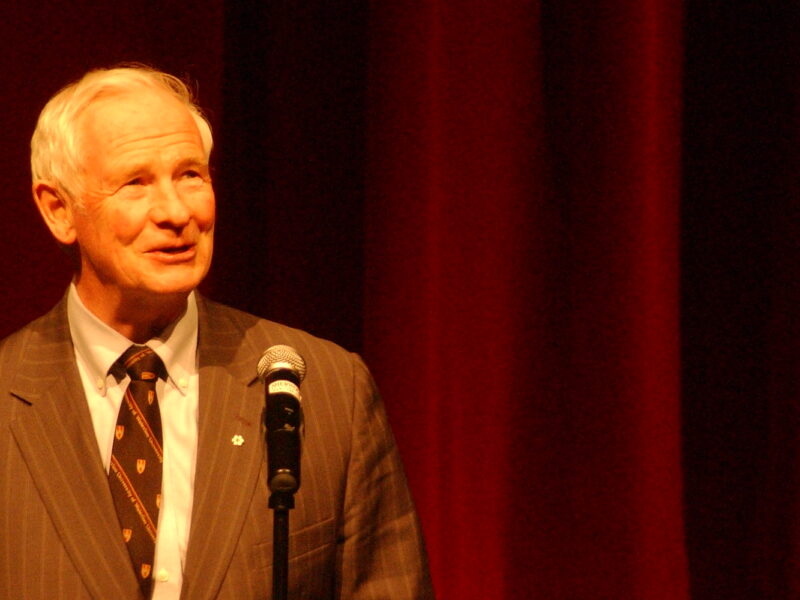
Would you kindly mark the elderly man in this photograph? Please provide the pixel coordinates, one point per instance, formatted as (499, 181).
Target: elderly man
(132, 462)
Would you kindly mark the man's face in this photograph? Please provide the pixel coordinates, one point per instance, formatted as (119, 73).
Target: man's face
(145, 222)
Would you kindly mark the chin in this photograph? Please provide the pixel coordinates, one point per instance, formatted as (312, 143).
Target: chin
(172, 288)
(168, 284)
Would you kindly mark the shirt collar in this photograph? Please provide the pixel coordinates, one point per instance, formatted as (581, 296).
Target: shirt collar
(99, 346)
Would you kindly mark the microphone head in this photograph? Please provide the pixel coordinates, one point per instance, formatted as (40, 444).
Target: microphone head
(280, 357)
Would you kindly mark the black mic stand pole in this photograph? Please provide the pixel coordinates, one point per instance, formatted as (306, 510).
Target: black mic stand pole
(280, 503)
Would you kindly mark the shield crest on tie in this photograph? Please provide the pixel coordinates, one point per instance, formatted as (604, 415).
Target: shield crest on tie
(145, 570)
(119, 432)
(141, 463)
(126, 534)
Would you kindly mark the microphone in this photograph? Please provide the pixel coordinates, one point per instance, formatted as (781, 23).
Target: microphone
(282, 369)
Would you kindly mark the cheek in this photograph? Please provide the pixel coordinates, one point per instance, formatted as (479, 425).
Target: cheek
(205, 211)
(126, 225)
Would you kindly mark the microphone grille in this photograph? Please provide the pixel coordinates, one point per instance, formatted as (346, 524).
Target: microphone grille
(281, 357)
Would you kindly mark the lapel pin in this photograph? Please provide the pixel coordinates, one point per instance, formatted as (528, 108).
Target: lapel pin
(237, 440)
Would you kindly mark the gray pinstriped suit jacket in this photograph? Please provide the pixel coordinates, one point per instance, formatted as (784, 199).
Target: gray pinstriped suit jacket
(354, 532)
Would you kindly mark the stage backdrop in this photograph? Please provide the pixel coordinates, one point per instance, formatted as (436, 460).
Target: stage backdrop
(562, 234)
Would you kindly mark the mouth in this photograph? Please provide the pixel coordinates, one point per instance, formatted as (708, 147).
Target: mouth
(175, 249)
(174, 254)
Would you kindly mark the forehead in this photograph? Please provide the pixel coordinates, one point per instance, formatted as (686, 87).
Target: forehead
(115, 119)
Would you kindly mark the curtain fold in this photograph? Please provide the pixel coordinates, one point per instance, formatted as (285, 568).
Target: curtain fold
(521, 289)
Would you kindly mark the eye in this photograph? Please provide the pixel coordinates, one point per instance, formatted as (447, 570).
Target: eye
(135, 181)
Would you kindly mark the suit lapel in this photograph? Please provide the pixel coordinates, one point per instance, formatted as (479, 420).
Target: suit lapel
(229, 455)
(55, 436)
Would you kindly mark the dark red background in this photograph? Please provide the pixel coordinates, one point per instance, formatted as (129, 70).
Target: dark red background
(563, 234)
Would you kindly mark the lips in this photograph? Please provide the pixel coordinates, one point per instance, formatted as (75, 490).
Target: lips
(173, 253)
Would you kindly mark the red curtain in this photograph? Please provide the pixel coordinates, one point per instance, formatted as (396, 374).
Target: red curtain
(563, 235)
(522, 289)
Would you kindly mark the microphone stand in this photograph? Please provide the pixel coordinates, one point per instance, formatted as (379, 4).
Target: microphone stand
(282, 370)
(283, 421)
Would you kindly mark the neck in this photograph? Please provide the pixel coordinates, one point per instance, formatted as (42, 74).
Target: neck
(138, 318)
(139, 330)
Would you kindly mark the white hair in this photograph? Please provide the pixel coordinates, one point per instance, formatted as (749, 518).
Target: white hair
(55, 146)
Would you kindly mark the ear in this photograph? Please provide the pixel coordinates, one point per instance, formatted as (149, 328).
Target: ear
(56, 211)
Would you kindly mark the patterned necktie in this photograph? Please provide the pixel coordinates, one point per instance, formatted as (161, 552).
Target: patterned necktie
(135, 473)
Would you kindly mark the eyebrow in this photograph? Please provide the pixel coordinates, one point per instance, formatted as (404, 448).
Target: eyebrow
(192, 161)
(135, 170)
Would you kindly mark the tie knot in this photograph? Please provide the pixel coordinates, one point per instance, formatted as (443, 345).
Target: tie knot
(142, 364)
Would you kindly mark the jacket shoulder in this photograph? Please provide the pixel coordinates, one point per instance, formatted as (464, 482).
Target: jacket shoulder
(237, 338)
(259, 333)
(15, 347)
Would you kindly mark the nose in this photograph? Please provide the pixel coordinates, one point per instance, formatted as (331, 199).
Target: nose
(169, 209)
